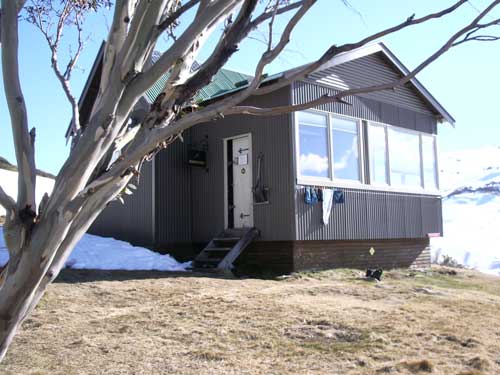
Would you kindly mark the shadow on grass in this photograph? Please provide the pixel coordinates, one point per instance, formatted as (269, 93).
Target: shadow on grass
(70, 276)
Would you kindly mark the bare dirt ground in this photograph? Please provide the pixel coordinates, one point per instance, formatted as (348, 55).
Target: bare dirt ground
(312, 323)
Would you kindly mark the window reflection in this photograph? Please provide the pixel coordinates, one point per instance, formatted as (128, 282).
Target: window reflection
(313, 145)
(345, 149)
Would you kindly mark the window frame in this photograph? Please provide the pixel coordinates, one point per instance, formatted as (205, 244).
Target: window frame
(436, 162)
(387, 182)
(365, 181)
(407, 131)
(361, 161)
(297, 148)
(331, 179)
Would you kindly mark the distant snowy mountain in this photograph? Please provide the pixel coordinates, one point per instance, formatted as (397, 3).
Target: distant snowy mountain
(470, 183)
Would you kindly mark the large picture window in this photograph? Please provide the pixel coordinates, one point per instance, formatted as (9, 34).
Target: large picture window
(313, 145)
(331, 148)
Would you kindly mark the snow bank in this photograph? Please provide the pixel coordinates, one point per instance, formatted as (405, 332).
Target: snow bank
(94, 252)
(8, 181)
(471, 219)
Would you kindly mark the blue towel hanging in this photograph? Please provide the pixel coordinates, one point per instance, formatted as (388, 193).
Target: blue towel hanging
(314, 196)
(338, 196)
(320, 195)
(307, 195)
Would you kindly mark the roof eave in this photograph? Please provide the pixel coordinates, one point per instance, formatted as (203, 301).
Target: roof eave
(443, 113)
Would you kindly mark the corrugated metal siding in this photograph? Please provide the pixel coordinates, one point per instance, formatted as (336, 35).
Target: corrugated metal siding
(368, 214)
(173, 194)
(271, 137)
(368, 71)
(366, 108)
(132, 221)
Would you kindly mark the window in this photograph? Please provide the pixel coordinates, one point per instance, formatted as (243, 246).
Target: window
(331, 150)
(404, 156)
(377, 154)
(345, 148)
(313, 145)
(429, 161)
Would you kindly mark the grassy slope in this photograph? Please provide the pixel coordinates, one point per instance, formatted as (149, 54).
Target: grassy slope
(312, 323)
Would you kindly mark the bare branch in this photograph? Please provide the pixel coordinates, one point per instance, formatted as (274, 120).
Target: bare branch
(46, 16)
(25, 155)
(173, 17)
(156, 135)
(471, 35)
(301, 72)
(338, 97)
(203, 21)
(116, 37)
(228, 45)
(6, 201)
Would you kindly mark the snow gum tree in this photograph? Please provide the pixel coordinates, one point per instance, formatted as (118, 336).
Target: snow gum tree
(39, 239)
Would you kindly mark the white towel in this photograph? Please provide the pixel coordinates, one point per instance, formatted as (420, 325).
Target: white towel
(327, 204)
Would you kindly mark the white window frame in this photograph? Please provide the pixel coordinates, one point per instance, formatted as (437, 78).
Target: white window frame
(361, 161)
(318, 180)
(328, 181)
(415, 189)
(387, 161)
(413, 132)
(436, 164)
(362, 183)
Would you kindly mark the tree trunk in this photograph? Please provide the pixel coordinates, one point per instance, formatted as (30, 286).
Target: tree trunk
(40, 261)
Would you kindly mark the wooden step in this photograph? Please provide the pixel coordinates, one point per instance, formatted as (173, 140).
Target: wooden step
(223, 250)
(235, 232)
(227, 239)
(218, 249)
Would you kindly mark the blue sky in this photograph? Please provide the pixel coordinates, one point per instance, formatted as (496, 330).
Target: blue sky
(465, 80)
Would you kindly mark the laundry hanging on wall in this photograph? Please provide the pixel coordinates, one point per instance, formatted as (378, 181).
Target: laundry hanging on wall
(307, 195)
(327, 204)
(338, 196)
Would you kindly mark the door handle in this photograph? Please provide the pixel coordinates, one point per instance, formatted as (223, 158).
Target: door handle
(242, 215)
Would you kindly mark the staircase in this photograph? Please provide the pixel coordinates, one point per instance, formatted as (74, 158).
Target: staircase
(223, 250)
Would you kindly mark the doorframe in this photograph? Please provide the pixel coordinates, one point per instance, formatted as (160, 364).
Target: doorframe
(224, 142)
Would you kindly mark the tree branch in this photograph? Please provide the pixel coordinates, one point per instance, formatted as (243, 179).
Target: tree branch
(6, 200)
(25, 154)
(301, 72)
(171, 18)
(151, 138)
(338, 97)
(118, 32)
(205, 20)
(41, 15)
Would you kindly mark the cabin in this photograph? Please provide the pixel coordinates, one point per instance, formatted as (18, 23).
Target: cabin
(341, 185)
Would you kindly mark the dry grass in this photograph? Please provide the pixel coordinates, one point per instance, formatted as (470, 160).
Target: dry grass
(312, 323)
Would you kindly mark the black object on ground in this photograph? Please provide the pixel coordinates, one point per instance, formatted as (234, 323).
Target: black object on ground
(374, 274)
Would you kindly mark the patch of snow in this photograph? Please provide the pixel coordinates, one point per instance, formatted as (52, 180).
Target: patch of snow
(471, 217)
(94, 252)
(8, 181)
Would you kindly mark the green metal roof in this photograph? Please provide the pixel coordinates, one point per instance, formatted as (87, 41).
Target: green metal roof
(224, 81)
